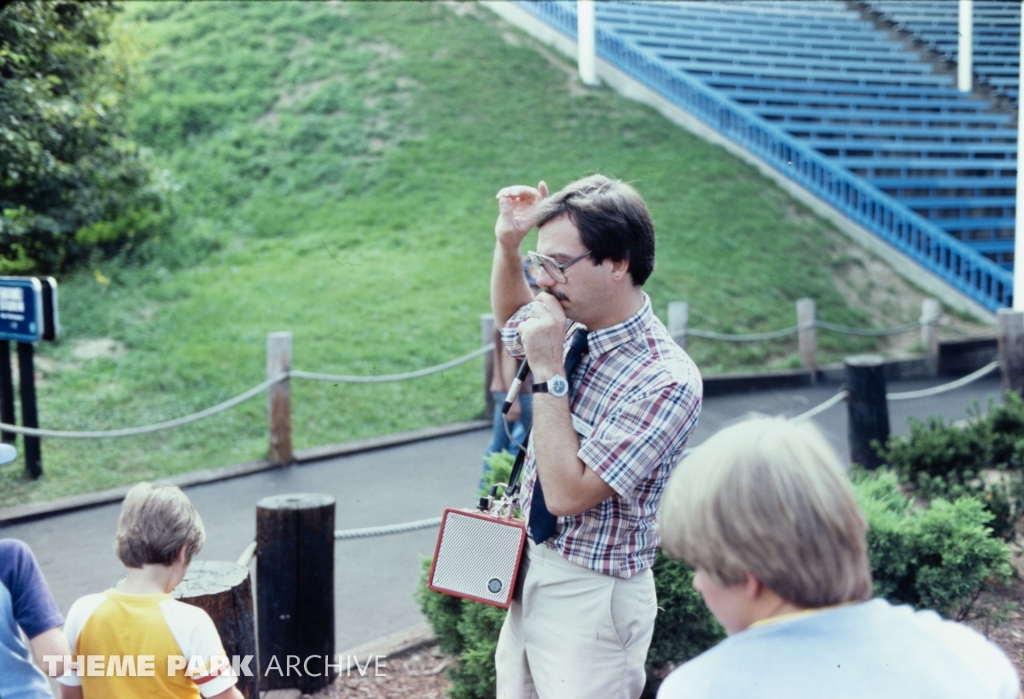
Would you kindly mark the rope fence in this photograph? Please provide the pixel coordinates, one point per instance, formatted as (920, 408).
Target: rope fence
(839, 397)
(944, 388)
(930, 321)
(337, 378)
(146, 429)
(871, 332)
(785, 332)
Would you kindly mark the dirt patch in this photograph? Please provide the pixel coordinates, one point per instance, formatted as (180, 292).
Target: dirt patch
(462, 8)
(1002, 619)
(871, 285)
(418, 673)
(382, 48)
(101, 348)
(573, 83)
(287, 98)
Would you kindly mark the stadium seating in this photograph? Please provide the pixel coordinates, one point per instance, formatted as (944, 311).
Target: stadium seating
(869, 86)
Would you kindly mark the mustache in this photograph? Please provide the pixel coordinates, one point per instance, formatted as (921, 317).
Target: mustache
(557, 294)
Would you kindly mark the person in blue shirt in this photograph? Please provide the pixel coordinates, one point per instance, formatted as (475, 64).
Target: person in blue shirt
(765, 514)
(26, 605)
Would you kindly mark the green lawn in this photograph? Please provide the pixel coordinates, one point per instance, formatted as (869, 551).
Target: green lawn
(336, 166)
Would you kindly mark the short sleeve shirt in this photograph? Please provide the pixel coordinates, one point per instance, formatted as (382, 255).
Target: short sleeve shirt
(25, 602)
(146, 645)
(635, 399)
(872, 649)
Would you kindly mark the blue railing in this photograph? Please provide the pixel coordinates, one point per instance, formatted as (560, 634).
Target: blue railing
(966, 270)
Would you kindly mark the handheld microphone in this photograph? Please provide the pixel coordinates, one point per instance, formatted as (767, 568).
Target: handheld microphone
(513, 390)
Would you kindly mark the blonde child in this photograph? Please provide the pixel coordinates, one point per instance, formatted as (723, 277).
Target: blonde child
(144, 643)
(765, 514)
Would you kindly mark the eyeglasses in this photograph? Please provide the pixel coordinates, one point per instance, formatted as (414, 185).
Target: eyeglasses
(554, 268)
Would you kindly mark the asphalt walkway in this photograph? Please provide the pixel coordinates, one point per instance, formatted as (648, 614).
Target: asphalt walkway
(375, 578)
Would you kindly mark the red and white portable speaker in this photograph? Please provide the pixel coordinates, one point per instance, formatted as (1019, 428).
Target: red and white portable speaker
(477, 556)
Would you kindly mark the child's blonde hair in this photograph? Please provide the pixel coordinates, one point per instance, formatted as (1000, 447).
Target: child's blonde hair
(769, 496)
(155, 523)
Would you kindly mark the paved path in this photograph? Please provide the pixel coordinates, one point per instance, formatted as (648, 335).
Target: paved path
(375, 578)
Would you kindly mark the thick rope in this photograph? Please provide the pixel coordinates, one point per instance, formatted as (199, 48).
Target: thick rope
(237, 400)
(335, 378)
(390, 529)
(774, 334)
(867, 332)
(743, 338)
(952, 385)
(133, 431)
(822, 407)
(246, 558)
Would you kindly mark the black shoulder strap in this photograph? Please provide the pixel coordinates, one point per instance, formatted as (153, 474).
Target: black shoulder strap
(517, 467)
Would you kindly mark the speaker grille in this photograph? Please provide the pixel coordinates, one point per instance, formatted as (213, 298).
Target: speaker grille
(477, 557)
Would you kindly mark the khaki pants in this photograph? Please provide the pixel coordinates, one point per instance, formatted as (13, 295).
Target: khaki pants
(573, 633)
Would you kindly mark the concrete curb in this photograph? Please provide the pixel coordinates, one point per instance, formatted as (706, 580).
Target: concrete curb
(39, 510)
(394, 644)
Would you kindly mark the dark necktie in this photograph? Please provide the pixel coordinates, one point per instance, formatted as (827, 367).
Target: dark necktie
(542, 522)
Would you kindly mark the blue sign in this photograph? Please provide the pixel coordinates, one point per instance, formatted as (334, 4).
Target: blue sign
(21, 309)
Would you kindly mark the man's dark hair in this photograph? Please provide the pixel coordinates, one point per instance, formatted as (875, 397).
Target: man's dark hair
(613, 221)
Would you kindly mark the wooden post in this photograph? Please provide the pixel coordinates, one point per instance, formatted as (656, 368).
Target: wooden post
(807, 338)
(279, 398)
(931, 312)
(867, 409)
(678, 319)
(223, 590)
(295, 589)
(486, 338)
(6, 392)
(29, 412)
(1010, 341)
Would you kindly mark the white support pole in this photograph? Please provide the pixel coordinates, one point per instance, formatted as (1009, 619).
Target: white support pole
(279, 399)
(586, 42)
(678, 318)
(807, 338)
(1018, 226)
(965, 47)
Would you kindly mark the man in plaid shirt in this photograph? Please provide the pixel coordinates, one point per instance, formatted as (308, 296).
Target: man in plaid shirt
(605, 439)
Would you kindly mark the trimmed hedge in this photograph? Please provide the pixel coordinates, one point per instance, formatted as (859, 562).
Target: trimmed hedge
(937, 557)
(984, 459)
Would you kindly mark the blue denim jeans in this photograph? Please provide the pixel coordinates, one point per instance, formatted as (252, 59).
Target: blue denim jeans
(499, 439)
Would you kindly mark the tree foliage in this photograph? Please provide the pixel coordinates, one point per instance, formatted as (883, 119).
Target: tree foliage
(71, 181)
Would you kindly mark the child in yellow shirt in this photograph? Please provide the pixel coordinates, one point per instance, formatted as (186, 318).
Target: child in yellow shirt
(136, 640)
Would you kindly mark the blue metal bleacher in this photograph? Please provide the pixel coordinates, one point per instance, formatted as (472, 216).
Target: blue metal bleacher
(996, 29)
(847, 110)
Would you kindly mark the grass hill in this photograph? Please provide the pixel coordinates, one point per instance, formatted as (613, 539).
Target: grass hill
(335, 166)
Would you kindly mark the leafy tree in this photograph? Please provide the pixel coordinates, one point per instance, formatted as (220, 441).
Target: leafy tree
(71, 181)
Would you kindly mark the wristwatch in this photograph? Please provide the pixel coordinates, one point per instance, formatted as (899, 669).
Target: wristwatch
(557, 386)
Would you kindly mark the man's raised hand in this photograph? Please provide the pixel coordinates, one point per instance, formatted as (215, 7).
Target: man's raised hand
(516, 212)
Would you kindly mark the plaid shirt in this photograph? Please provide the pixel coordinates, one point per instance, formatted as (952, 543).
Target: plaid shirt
(638, 395)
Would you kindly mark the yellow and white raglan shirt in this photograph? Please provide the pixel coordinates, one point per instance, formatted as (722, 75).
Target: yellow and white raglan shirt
(128, 646)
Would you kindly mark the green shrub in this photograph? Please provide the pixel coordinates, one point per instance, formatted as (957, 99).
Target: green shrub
(938, 557)
(500, 464)
(72, 183)
(982, 459)
(685, 626)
